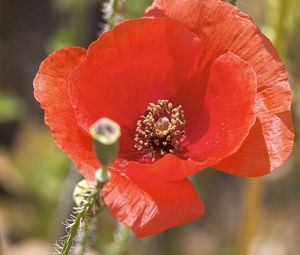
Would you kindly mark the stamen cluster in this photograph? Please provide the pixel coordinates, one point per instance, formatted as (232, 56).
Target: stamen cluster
(160, 130)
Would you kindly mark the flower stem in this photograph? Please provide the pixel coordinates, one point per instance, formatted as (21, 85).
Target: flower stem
(79, 219)
(114, 7)
(251, 212)
(118, 247)
(84, 237)
(279, 27)
(233, 2)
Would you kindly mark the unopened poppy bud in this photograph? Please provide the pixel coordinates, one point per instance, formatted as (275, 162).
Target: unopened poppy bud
(81, 192)
(106, 134)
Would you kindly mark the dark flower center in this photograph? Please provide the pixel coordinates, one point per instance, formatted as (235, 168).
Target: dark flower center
(160, 130)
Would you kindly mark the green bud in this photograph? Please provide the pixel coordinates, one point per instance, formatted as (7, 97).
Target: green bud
(106, 134)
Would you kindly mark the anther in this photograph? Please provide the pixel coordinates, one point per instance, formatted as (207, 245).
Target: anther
(160, 130)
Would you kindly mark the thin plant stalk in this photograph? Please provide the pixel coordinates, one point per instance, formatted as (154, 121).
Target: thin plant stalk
(79, 218)
(86, 229)
(113, 7)
(83, 244)
(118, 247)
(112, 17)
(251, 210)
(279, 26)
(253, 189)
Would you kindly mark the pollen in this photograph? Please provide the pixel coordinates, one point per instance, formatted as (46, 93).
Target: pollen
(160, 130)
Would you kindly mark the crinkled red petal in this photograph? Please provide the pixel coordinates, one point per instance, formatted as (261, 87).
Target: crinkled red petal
(150, 207)
(51, 90)
(221, 28)
(228, 111)
(168, 168)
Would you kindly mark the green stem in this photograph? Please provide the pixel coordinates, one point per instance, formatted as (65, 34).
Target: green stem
(279, 27)
(84, 237)
(104, 173)
(114, 5)
(79, 218)
(118, 247)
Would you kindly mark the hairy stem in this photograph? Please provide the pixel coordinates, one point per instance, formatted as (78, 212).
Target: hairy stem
(114, 7)
(79, 219)
(233, 2)
(84, 237)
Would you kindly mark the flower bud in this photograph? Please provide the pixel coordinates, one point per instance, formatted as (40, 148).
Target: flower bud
(106, 134)
(81, 192)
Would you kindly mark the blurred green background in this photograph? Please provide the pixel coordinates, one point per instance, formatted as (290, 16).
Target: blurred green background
(243, 216)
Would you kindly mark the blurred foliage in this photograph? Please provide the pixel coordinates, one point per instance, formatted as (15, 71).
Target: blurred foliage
(11, 107)
(135, 8)
(35, 171)
(33, 147)
(35, 182)
(75, 30)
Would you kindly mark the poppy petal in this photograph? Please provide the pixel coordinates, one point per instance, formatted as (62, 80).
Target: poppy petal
(168, 168)
(228, 112)
(51, 90)
(258, 157)
(221, 28)
(138, 62)
(151, 207)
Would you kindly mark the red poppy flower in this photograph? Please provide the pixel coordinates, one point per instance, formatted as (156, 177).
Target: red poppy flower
(196, 85)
